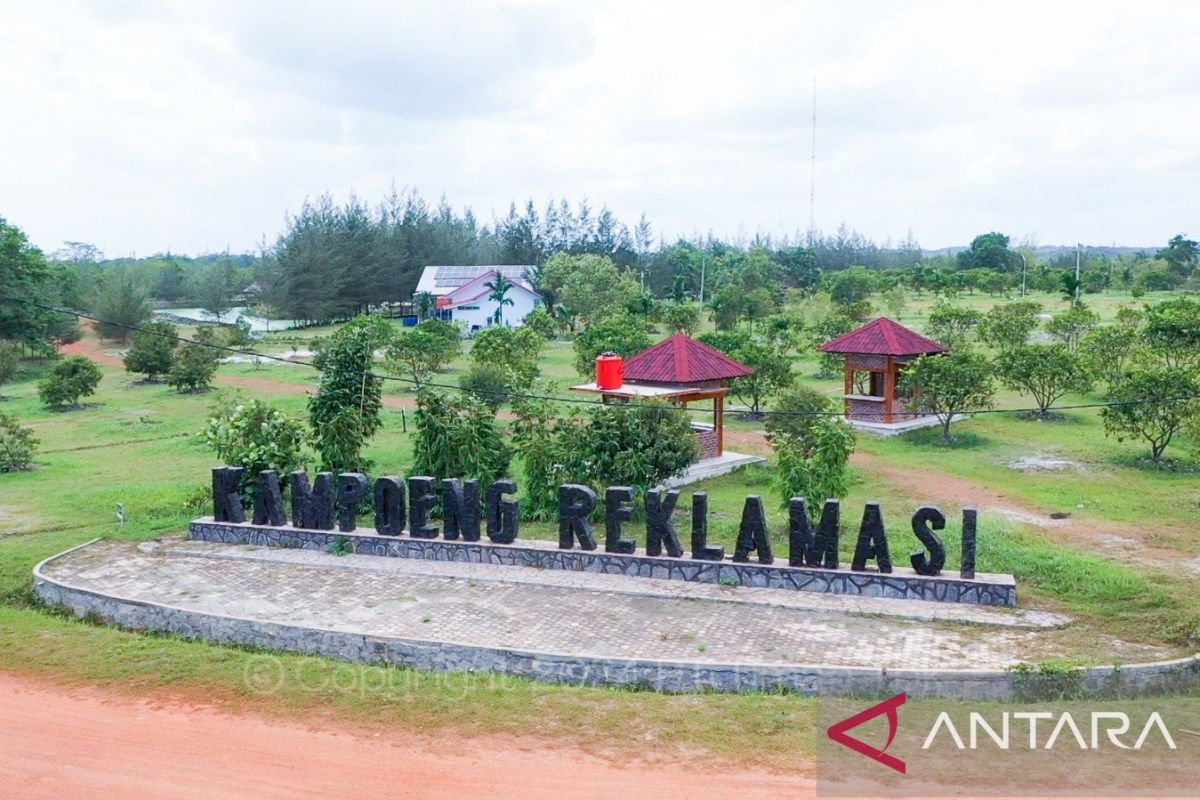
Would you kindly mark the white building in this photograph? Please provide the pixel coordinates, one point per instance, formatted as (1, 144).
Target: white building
(462, 296)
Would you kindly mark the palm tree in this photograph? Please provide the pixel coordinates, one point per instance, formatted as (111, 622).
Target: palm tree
(425, 304)
(499, 288)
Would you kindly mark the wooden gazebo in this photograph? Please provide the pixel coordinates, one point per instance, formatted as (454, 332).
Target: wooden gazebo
(680, 370)
(875, 355)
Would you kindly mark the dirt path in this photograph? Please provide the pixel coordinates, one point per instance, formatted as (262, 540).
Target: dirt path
(88, 742)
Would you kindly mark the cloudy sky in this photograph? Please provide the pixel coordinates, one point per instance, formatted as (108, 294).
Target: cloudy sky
(194, 126)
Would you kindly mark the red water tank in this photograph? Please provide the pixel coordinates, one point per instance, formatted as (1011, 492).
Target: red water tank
(608, 371)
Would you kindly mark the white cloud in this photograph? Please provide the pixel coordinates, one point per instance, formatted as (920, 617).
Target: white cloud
(146, 126)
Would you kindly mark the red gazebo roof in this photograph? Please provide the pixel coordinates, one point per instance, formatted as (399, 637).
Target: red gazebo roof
(882, 337)
(681, 359)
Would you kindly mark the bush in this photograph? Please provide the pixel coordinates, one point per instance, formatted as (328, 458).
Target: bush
(419, 352)
(123, 303)
(10, 361)
(772, 368)
(949, 384)
(256, 436)
(153, 351)
(68, 382)
(489, 384)
(345, 411)
(1046, 372)
(17, 444)
(952, 325)
(195, 363)
(515, 350)
(457, 438)
(797, 414)
(818, 470)
(1072, 325)
(1009, 324)
(619, 333)
(681, 318)
(542, 322)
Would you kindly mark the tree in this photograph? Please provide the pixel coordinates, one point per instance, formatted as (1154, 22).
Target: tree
(949, 384)
(591, 286)
(124, 303)
(1152, 405)
(681, 317)
(425, 303)
(772, 369)
(620, 334)
(195, 362)
(850, 288)
(987, 251)
(1046, 372)
(515, 350)
(818, 470)
(10, 361)
(1072, 325)
(419, 352)
(829, 326)
(345, 411)
(25, 274)
(17, 444)
(498, 289)
(1108, 351)
(797, 412)
(1181, 255)
(216, 285)
(952, 325)
(153, 350)
(256, 436)
(895, 300)
(1173, 331)
(1009, 324)
(68, 381)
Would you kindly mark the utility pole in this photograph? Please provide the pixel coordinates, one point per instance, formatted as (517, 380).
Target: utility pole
(1078, 253)
(703, 262)
(1024, 267)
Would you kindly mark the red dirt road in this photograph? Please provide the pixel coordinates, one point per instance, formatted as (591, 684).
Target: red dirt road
(60, 742)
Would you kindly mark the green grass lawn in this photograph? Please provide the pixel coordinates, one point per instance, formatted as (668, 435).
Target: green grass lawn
(137, 445)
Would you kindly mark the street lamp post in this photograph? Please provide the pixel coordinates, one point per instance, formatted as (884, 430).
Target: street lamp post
(1023, 266)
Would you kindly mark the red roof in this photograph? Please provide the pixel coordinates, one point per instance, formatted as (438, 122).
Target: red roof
(884, 338)
(681, 359)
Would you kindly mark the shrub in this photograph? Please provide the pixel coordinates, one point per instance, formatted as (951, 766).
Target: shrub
(1173, 331)
(681, 318)
(123, 303)
(1072, 325)
(515, 350)
(797, 413)
(541, 322)
(256, 436)
(772, 369)
(69, 381)
(819, 470)
(949, 384)
(952, 325)
(195, 362)
(457, 438)
(17, 444)
(345, 411)
(619, 333)
(421, 351)
(489, 384)
(153, 350)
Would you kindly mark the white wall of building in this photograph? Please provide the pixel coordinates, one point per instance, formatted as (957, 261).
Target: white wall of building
(479, 313)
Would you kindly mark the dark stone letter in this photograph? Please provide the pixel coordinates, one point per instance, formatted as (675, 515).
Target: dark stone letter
(752, 534)
(659, 528)
(824, 549)
(312, 508)
(575, 505)
(352, 489)
(701, 551)
(421, 498)
(872, 541)
(503, 516)
(227, 500)
(389, 505)
(966, 567)
(268, 502)
(460, 509)
(800, 535)
(925, 521)
(616, 512)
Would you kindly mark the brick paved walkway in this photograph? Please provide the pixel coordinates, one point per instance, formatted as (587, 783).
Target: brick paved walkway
(555, 612)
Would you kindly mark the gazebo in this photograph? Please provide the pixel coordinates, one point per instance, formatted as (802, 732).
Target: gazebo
(875, 355)
(680, 370)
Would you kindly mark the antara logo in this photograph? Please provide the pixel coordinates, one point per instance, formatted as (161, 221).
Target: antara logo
(838, 732)
(1114, 725)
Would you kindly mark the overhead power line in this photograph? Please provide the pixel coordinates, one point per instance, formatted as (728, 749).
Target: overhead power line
(551, 398)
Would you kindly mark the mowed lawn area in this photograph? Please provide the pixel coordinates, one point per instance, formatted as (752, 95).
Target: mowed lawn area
(1124, 561)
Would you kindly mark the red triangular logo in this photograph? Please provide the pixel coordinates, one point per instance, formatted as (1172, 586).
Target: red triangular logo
(838, 732)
